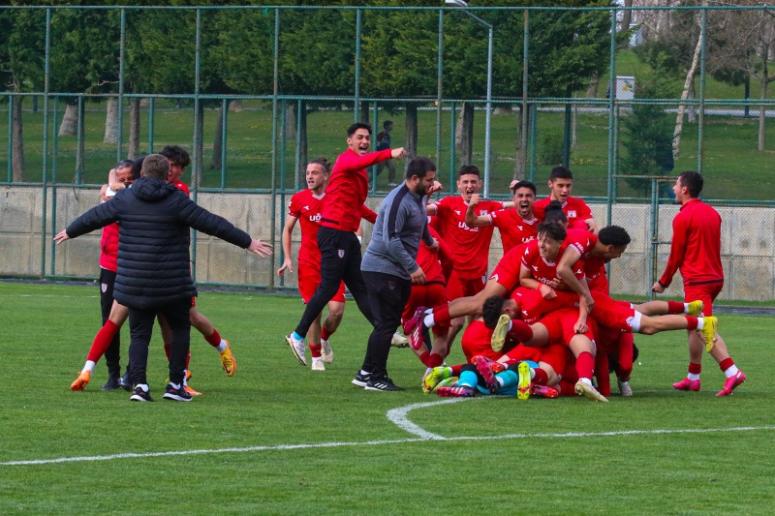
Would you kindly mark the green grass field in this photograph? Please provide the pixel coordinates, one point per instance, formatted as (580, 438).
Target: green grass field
(283, 439)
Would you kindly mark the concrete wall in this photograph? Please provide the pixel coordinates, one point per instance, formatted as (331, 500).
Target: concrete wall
(748, 242)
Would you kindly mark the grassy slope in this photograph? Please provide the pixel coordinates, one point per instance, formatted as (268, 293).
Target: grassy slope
(274, 401)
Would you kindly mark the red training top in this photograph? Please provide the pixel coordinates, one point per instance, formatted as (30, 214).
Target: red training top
(574, 208)
(513, 228)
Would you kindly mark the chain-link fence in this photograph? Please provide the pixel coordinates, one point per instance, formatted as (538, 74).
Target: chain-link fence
(254, 92)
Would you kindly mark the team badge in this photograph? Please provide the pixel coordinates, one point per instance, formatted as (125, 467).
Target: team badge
(572, 214)
(340, 252)
(104, 287)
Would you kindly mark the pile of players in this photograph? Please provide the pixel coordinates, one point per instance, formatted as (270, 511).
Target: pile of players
(543, 324)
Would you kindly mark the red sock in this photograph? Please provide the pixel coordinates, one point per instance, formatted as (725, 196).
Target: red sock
(540, 377)
(457, 369)
(520, 331)
(314, 348)
(431, 359)
(691, 322)
(324, 333)
(695, 368)
(603, 374)
(726, 363)
(214, 339)
(585, 365)
(441, 315)
(675, 307)
(102, 341)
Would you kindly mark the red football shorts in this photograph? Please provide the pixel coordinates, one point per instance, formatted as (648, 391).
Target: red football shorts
(463, 287)
(705, 292)
(428, 295)
(309, 279)
(611, 313)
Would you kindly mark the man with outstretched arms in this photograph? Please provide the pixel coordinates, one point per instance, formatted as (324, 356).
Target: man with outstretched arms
(576, 210)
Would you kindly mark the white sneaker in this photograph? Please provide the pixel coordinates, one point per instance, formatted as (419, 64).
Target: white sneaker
(624, 388)
(588, 391)
(326, 351)
(318, 364)
(297, 348)
(399, 341)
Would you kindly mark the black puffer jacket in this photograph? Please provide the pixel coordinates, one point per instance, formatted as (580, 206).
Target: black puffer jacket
(153, 251)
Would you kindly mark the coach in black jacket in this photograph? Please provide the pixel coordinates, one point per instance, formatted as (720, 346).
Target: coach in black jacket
(154, 272)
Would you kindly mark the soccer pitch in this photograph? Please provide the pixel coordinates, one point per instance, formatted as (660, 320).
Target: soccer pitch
(278, 438)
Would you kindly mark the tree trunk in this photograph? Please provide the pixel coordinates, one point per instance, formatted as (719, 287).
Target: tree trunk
(69, 123)
(134, 128)
(520, 156)
(679, 118)
(573, 125)
(411, 129)
(691, 109)
(111, 122)
(762, 139)
(464, 134)
(365, 113)
(80, 150)
(290, 120)
(196, 169)
(216, 162)
(235, 106)
(626, 18)
(17, 132)
(594, 83)
(303, 150)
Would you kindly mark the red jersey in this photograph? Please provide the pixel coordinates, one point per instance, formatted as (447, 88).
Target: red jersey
(574, 208)
(305, 207)
(348, 187)
(696, 245)
(109, 247)
(513, 228)
(543, 270)
(506, 272)
(469, 247)
(476, 341)
(180, 185)
(428, 260)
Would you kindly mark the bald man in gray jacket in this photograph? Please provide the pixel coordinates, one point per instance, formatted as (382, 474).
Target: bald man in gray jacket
(389, 267)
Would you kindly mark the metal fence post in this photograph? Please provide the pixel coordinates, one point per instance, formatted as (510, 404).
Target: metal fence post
(224, 123)
(54, 154)
(525, 112)
(611, 117)
(151, 116)
(120, 99)
(9, 164)
(197, 164)
(46, 63)
(357, 86)
(439, 84)
(273, 186)
(701, 116)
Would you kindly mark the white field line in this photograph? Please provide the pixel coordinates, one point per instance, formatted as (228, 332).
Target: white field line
(400, 415)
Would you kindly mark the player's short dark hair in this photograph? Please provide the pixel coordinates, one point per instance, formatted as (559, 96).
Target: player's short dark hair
(469, 169)
(358, 125)
(560, 172)
(177, 155)
(387, 123)
(692, 181)
(553, 230)
(156, 166)
(523, 184)
(323, 162)
(137, 164)
(491, 310)
(554, 214)
(614, 235)
(419, 167)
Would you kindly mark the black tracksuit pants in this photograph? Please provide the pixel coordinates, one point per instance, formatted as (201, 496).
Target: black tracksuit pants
(388, 295)
(112, 354)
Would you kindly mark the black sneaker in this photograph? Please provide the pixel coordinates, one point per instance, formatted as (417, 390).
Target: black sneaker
(381, 383)
(124, 382)
(112, 384)
(361, 379)
(174, 394)
(140, 395)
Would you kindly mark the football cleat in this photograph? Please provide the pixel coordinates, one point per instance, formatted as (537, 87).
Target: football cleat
(413, 329)
(685, 384)
(297, 348)
(456, 391)
(484, 369)
(81, 382)
(228, 361)
(433, 376)
(624, 388)
(731, 383)
(709, 331)
(544, 391)
(381, 383)
(326, 351)
(190, 390)
(361, 379)
(695, 307)
(588, 391)
(176, 394)
(318, 364)
(500, 332)
(523, 385)
(399, 341)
